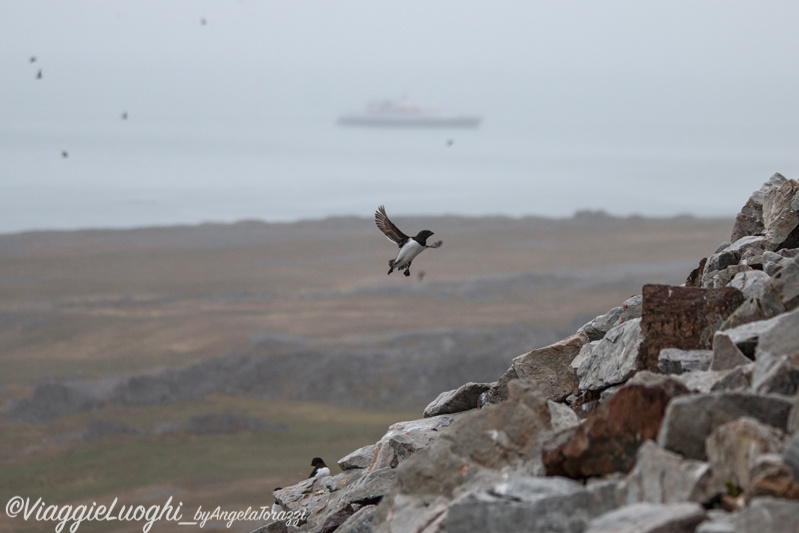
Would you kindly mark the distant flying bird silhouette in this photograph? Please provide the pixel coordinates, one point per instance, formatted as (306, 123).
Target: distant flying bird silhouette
(39, 74)
(409, 247)
(64, 154)
(124, 115)
(450, 142)
(33, 59)
(202, 21)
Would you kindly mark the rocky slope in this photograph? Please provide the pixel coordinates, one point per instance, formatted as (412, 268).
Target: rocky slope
(676, 411)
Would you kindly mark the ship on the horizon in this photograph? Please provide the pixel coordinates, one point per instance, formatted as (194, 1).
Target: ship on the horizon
(404, 114)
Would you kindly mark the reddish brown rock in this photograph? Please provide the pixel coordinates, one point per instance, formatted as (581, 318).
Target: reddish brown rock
(609, 439)
(776, 482)
(682, 317)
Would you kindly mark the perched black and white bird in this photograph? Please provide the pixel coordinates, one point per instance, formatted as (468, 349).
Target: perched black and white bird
(320, 468)
(409, 247)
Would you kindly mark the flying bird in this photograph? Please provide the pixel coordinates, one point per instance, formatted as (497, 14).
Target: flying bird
(320, 468)
(39, 74)
(64, 154)
(33, 59)
(409, 247)
(124, 115)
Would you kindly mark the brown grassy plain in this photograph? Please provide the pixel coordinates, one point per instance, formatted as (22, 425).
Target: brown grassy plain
(103, 303)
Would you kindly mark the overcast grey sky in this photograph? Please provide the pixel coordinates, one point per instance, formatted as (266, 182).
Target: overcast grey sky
(714, 77)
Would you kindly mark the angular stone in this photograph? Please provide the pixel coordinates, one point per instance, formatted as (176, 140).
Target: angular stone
(778, 295)
(614, 359)
(661, 476)
(779, 217)
(779, 336)
(750, 220)
(739, 378)
(694, 279)
(723, 278)
(369, 489)
(561, 416)
(770, 515)
(776, 481)
(313, 498)
(650, 518)
(405, 438)
(463, 398)
(793, 418)
(360, 522)
(746, 244)
(778, 374)
(733, 449)
(790, 454)
(717, 521)
(360, 458)
(585, 352)
(548, 368)
(632, 307)
(719, 262)
(690, 419)
(726, 354)
(608, 440)
(531, 504)
(676, 361)
(682, 317)
(598, 327)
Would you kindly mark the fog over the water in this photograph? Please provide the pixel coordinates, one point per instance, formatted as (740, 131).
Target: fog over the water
(654, 108)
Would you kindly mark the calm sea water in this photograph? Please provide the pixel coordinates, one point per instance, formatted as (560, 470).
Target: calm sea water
(154, 171)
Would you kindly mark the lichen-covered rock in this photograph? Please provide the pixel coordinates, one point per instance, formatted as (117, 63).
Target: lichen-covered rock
(608, 440)
(682, 317)
(612, 360)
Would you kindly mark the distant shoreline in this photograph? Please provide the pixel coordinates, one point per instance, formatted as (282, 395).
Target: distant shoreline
(592, 217)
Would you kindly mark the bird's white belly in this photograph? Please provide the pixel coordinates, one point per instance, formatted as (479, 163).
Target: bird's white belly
(407, 253)
(322, 472)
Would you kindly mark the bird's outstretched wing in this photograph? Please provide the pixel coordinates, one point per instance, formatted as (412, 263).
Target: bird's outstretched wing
(391, 231)
(435, 244)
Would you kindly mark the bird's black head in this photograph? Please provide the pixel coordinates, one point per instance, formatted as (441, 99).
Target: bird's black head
(421, 238)
(317, 461)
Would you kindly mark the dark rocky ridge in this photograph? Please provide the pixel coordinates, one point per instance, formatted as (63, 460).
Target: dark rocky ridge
(587, 434)
(401, 371)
